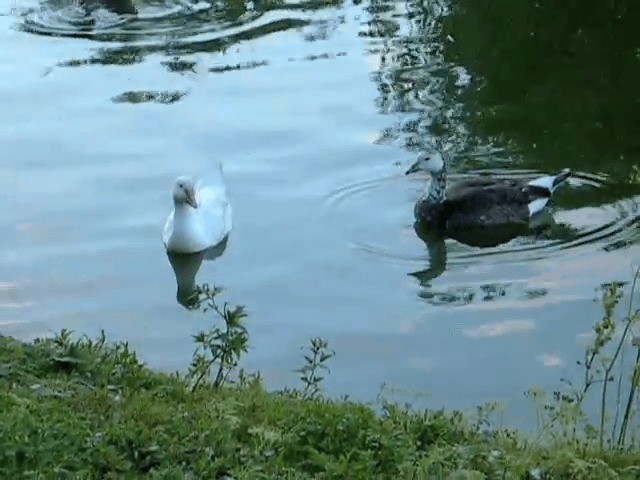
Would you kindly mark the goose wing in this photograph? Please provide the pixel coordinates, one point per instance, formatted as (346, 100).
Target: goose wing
(484, 202)
(168, 229)
(464, 187)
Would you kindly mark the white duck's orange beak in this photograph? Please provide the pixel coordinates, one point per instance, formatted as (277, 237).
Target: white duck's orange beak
(191, 198)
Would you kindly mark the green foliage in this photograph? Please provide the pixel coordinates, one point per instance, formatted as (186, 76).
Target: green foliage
(80, 409)
(217, 348)
(564, 417)
(88, 409)
(319, 354)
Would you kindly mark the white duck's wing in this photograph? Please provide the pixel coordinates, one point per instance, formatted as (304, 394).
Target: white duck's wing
(215, 209)
(168, 229)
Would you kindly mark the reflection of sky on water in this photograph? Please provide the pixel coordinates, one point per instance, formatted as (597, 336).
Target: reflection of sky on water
(294, 120)
(495, 329)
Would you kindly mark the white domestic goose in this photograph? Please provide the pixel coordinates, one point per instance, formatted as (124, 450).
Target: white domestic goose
(480, 202)
(201, 216)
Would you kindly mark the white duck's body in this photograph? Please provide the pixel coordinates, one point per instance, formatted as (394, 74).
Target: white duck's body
(191, 230)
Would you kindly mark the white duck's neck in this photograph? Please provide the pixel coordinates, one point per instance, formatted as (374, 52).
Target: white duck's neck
(184, 213)
(187, 229)
(434, 192)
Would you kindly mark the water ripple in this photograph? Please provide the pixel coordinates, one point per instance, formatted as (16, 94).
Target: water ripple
(167, 23)
(589, 213)
(172, 16)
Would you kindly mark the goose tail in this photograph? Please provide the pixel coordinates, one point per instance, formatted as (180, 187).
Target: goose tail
(561, 178)
(551, 182)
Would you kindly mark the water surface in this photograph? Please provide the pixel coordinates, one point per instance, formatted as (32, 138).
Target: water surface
(316, 109)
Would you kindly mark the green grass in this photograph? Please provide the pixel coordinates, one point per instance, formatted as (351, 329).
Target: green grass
(82, 408)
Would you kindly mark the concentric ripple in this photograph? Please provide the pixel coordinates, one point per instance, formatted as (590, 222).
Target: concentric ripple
(169, 21)
(175, 29)
(101, 24)
(376, 216)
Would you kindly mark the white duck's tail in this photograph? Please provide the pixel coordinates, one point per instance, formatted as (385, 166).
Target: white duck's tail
(551, 182)
(221, 188)
(214, 182)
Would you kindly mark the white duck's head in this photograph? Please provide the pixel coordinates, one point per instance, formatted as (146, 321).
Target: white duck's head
(429, 162)
(184, 192)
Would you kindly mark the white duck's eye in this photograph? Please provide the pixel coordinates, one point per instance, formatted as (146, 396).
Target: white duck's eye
(180, 185)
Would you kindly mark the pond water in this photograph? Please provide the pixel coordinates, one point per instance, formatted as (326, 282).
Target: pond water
(316, 109)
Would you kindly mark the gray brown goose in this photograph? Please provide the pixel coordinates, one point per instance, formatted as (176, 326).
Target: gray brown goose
(480, 202)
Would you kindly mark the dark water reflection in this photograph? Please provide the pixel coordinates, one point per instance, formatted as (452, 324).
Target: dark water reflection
(541, 85)
(554, 83)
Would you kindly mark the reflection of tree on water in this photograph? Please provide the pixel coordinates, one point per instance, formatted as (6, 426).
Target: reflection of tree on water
(185, 268)
(556, 79)
(550, 84)
(413, 78)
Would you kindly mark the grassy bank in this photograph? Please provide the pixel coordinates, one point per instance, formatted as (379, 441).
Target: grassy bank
(86, 408)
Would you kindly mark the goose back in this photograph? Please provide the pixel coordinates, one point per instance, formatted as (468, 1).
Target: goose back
(482, 202)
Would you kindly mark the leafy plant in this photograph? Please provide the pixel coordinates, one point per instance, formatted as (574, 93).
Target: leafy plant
(565, 414)
(218, 349)
(89, 409)
(315, 360)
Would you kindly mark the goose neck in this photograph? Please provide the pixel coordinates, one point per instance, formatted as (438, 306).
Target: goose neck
(437, 186)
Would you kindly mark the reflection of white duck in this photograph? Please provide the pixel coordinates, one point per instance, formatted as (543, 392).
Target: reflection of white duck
(201, 217)
(186, 266)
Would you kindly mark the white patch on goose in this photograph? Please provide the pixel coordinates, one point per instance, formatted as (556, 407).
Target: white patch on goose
(536, 205)
(544, 182)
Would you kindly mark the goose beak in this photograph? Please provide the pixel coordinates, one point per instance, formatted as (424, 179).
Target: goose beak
(412, 169)
(191, 198)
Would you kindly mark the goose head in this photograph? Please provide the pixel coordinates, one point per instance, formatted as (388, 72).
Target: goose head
(184, 192)
(428, 162)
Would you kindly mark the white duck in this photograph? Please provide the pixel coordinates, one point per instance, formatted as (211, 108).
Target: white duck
(201, 217)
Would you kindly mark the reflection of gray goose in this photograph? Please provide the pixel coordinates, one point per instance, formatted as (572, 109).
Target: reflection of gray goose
(120, 7)
(481, 202)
